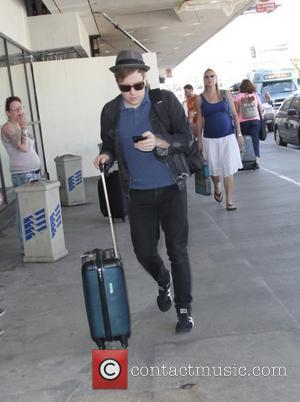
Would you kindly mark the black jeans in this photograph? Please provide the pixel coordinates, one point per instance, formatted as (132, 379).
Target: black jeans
(165, 207)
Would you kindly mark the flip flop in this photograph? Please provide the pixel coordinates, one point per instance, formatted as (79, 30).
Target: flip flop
(218, 197)
(230, 207)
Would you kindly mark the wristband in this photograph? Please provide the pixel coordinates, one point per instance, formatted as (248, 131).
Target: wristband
(24, 131)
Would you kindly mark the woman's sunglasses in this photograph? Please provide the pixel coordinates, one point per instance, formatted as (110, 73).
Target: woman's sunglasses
(137, 87)
(209, 76)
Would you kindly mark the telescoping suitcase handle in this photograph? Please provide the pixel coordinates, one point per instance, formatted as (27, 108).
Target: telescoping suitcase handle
(101, 167)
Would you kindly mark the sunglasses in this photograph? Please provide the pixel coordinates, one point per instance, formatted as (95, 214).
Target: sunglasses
(16, 109)
(209, 76)
(137, 87)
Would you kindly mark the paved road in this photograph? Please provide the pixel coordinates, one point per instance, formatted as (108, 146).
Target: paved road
(246, 282)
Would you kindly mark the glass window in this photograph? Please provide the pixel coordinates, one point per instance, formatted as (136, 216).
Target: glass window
(16, 61)
(295, 103)
(286, 104)
(34, 113)
(2, 190)
(23, 86)
(279, 87)
(16, 78)
(4, 93)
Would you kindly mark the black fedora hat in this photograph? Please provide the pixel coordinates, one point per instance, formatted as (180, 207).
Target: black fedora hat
(129, 59)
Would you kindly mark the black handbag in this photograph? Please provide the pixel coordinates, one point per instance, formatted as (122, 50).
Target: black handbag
(191, 160)
(194, 158)
(262, 131)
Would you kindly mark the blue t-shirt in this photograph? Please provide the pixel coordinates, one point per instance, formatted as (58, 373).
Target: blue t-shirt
(146, 172)
(217, 118)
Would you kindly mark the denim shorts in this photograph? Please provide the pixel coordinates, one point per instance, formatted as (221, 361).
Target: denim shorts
(21, 178)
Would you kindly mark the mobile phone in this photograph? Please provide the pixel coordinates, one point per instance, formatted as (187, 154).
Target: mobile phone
(137, 138)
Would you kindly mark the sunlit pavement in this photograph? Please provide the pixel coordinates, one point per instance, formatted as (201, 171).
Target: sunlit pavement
(246, 280)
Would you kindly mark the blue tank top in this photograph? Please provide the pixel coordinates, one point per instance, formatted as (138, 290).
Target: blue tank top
(217, 118)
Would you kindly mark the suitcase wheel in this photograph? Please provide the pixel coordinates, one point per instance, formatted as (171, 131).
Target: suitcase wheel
(124, 342)
(100, 344)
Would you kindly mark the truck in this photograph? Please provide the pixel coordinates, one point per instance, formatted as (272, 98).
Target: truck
(275, 85)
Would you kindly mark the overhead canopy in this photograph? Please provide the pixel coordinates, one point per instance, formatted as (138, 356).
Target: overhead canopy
(172, 29)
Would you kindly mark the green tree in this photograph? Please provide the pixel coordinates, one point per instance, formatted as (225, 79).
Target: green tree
(296, 63)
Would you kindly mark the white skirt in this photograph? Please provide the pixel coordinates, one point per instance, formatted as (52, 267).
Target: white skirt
(223, 155)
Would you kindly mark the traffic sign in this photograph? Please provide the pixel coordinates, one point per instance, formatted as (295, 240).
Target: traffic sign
(265, 6)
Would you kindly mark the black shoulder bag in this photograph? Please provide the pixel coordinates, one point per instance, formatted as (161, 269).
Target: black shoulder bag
(193, 156)
(262, 131)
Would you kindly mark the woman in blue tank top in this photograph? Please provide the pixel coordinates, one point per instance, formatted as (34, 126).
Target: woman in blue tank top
(217, 138)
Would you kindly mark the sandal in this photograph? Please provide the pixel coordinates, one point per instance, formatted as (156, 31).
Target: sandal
(218, 197)
(230, 207)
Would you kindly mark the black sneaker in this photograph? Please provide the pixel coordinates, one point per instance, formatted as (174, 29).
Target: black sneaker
(164, 298)
(185, 321)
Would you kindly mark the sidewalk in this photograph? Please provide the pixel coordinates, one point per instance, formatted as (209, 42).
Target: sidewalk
(246, 308)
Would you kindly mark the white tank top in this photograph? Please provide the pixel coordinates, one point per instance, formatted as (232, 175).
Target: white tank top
(19, 161)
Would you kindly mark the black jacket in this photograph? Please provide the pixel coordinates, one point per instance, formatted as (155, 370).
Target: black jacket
(168, 122)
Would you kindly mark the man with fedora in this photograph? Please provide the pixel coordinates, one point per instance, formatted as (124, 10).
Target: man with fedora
(147, 132)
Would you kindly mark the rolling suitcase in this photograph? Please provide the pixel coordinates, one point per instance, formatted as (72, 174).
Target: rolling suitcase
(105, 291)
(248, 155)
(117, 200)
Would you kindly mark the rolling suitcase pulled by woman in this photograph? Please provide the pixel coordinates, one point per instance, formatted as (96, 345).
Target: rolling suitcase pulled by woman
(248, 154)
(105, 291)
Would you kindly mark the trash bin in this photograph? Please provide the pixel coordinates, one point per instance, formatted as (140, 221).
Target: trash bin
(41, 220)
(69, 173)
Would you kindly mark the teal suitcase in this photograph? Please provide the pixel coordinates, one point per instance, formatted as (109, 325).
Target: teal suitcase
(105, 296)
(202, 181)
(105, 291)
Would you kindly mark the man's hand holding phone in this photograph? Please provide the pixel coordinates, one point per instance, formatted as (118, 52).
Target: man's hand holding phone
(148, 141)
(137, 138)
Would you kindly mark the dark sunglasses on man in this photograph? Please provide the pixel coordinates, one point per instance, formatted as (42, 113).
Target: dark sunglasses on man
(138, 86)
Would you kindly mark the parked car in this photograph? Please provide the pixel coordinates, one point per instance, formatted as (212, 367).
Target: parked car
(287, 122)
(269, 112)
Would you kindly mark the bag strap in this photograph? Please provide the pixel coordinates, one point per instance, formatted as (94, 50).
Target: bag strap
(226, 99)
(258, 109)
(230, 113)
(156, 98)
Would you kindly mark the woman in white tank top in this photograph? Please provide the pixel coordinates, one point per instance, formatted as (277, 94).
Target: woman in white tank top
(24, 162)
